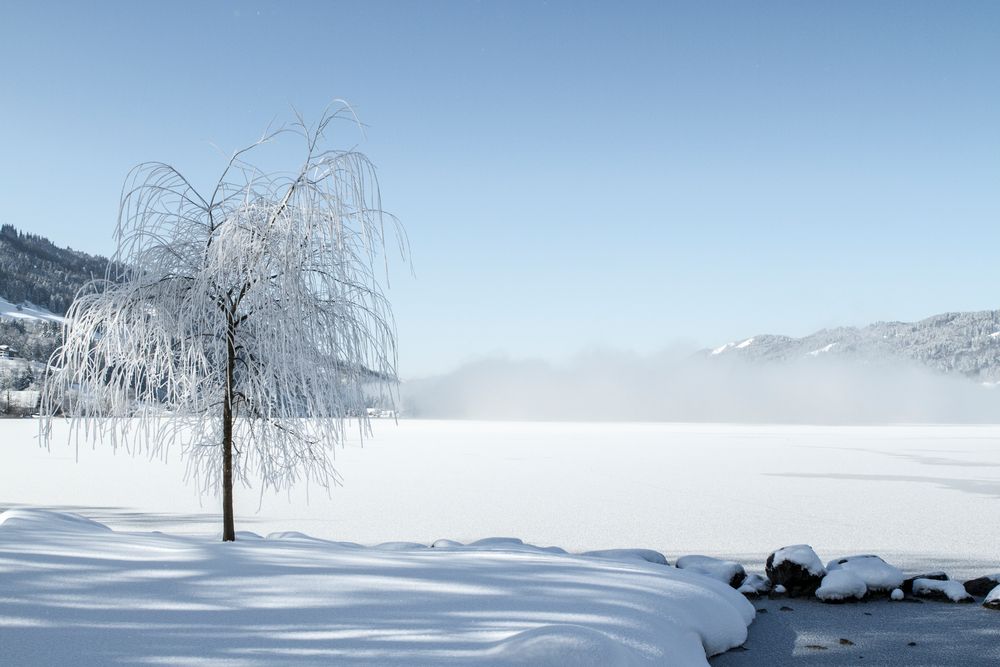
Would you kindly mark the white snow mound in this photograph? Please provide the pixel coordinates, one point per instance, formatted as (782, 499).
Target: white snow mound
(840, 585)
(39, 519)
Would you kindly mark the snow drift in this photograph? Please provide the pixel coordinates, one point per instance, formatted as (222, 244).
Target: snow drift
(288, 598)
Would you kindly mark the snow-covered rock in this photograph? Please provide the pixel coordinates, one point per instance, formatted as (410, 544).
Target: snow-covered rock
(446, 544)
(754, 586)
(980, 586)
(647, 555)
(908, 582)
(879, 577)
(797, 568)
(897, 594)
(992, 600)
(841, 585)
(934, 589)
(726, 571)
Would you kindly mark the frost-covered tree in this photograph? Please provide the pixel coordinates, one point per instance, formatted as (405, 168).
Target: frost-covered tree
(246, 324)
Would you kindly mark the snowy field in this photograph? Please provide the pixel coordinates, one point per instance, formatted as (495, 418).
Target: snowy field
(919, 496)
(923, 497)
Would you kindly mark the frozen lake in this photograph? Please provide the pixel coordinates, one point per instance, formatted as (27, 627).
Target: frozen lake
(920, 496)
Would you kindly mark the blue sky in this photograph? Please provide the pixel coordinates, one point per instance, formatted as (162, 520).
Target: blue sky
(571, 175)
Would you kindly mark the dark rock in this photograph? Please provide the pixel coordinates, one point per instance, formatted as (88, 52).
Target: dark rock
(784, 608)
(790, 573)
(980, 586)
(908, 583)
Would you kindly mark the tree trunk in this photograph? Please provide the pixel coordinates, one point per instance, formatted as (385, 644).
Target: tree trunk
(228, 525)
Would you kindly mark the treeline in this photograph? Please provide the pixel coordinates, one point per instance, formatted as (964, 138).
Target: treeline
(33, 269)
(33, 340)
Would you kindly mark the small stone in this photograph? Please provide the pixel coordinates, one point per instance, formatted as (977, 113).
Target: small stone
(846, 642)
(762, 611)
(912, 644)
(784, 608)
(816, 647)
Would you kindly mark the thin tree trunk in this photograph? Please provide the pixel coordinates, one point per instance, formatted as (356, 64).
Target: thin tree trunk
(228, 524)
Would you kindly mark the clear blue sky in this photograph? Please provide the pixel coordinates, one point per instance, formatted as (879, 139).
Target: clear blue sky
(570, 174)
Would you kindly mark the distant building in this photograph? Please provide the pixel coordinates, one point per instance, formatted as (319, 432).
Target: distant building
(7, 352)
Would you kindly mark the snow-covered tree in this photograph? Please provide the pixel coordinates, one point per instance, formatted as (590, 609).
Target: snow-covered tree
(246, 324)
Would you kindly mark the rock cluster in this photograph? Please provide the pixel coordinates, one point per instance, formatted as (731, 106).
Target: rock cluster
(797, 571)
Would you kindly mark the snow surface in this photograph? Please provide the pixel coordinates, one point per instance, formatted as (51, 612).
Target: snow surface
(953, 590)
(921, 497)
(877, 575)
(841, 585)
(27, 311)
(647, 555)
(287, 599)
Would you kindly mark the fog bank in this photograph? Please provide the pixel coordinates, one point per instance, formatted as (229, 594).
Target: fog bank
(681, 386)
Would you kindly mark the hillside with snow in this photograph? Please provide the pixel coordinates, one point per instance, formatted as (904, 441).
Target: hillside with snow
(965, 344)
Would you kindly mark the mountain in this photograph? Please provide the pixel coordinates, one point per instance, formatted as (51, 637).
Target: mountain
(955, 343)
(40, 276)
(38, 282)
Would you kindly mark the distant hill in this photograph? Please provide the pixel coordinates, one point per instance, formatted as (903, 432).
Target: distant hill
(38, 282)
(955, 343)
(35, 272)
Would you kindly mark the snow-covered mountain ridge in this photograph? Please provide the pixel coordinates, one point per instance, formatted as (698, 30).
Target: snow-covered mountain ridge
(957, 343)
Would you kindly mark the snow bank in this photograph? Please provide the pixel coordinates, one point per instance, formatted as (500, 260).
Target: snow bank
(646, 555)
(30, 519)
(186, 600)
